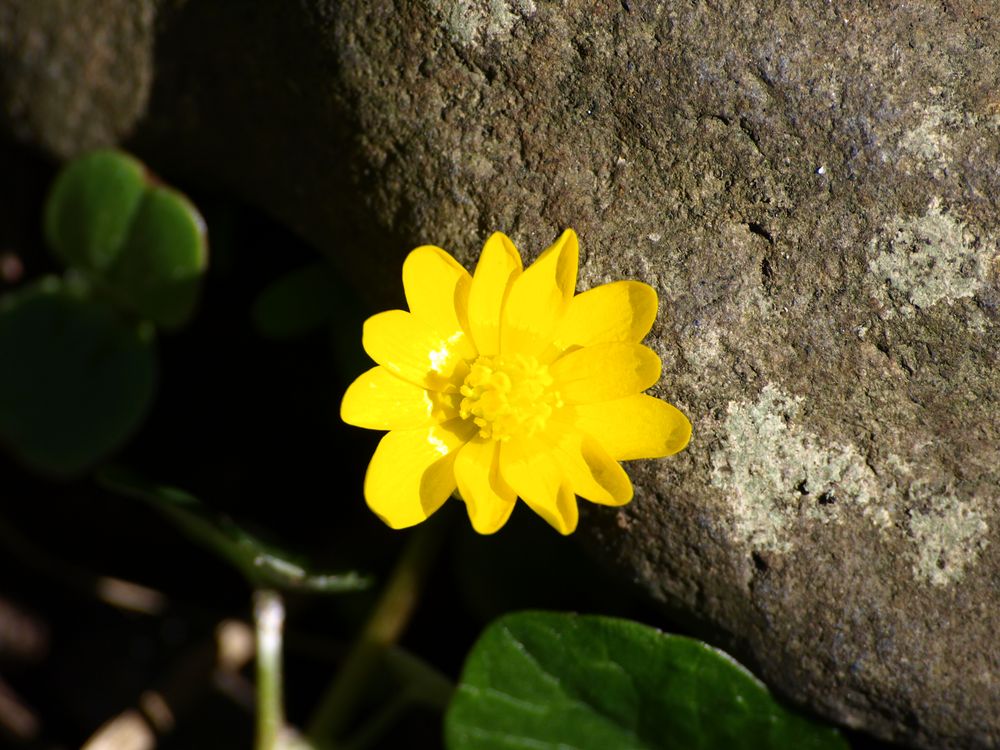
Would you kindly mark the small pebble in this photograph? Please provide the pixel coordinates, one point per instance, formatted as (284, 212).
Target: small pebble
(11, 268)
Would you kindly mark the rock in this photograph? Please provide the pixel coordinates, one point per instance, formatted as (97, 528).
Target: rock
(812, 189)
(74, 75)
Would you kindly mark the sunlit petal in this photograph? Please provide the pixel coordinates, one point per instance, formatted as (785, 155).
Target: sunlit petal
(588, 468)
(413, 350)
(437, 292)
(637, 426)
(488, 498)
(538, 298)
(620, 311)
(605, 371)
(498, 267)
(525, 464)
(379, 400)
(412, 472)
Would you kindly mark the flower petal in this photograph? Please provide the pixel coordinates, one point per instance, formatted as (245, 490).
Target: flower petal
(488, 498)
(525, 464)
(605, 371)
(411, 349)
(638, 426)
(538, 298)
(620, 311)
(378, 400)
(437, 291)
(411, 474)
(499, 264)
(591, 472)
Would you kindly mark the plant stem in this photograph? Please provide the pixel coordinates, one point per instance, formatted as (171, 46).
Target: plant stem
(269, 618)
(385, 625)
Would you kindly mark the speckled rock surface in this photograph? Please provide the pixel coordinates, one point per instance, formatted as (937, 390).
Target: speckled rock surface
(74, 74)
(812, 189)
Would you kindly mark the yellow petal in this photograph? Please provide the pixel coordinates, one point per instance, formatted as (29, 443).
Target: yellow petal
(411, 349)
(538, 299)
(525, 464)
(411, 474)
(437, 291)
(488, 498)
(591, 472)
(638, 426)
(499, 264)
(566, 253)
(605, 371)
(378, 400)
(620, 311)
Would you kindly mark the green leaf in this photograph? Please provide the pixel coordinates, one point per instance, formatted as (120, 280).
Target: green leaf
(564, 682)
(264, 565)
(142, 242)
(90, 208)
(75, 380)
(298, 303)
(159, 270)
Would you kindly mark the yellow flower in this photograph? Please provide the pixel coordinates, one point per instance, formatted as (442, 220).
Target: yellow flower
(504, 384)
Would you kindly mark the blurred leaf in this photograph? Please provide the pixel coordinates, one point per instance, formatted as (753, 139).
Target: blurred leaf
(158, 273)
(263, 565)
(145, 242)
(90, 208)
(555, 681)
(75, 380)
(298, 303)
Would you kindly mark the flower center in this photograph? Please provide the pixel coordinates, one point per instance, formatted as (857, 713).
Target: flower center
(508, 396)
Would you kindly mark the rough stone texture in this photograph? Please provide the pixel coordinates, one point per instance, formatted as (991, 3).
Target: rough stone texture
(74, 75)
(812, 189)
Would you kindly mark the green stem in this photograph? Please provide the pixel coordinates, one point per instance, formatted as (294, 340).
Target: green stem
(269, 618)
(385, 625)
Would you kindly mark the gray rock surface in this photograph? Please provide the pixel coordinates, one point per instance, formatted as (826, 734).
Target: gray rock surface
(74, 75)
(812, 189)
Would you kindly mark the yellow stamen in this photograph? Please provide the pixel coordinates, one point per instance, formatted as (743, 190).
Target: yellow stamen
(506, 397)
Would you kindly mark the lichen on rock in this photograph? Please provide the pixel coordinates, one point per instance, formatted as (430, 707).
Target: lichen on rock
(949, 533)
(472, 22)
(774, 471)
(927, 259)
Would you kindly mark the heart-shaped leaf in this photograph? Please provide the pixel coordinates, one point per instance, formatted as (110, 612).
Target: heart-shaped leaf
(90, 208)
(76, 379)
(158, 273)
(553, 681)
(141, 241)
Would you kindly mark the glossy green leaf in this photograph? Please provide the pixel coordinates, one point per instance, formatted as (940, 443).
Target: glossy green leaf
(75, 378)
(298, 302)
(142, 242)
(159, 270)
(262, 564)
(565, 682)
(90, 208)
